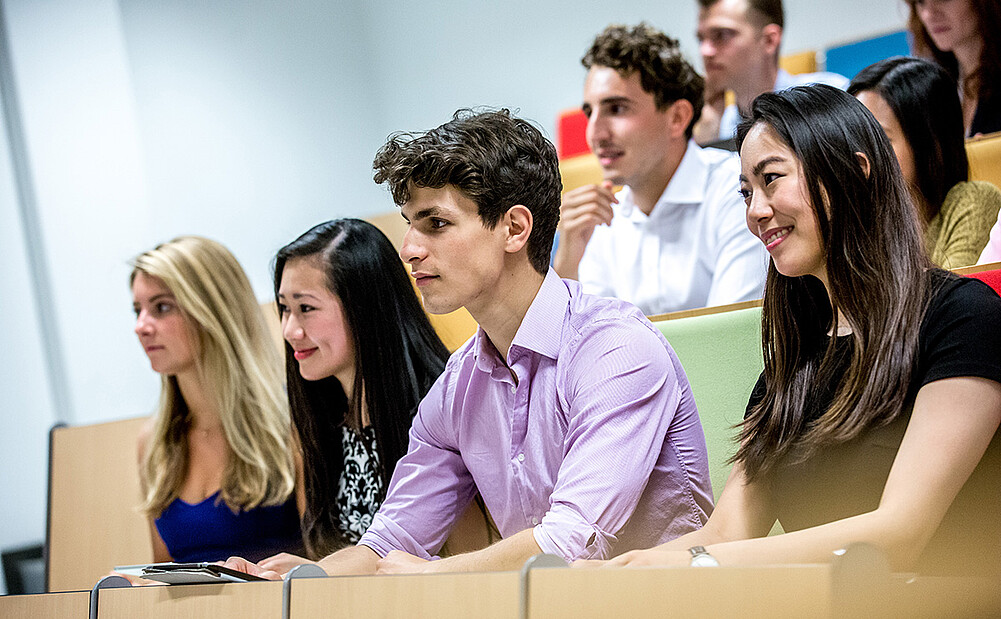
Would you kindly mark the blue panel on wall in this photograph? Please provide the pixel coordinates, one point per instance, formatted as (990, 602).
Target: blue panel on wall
(851, 58)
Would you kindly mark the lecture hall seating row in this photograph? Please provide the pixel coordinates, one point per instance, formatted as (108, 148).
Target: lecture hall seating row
(93, 523)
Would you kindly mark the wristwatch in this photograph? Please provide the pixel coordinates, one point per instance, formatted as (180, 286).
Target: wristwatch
(702, 558)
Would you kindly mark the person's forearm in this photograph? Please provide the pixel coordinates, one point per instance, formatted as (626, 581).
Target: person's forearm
(355, 560)
(700, 537)
(507, 554)
(816, 544)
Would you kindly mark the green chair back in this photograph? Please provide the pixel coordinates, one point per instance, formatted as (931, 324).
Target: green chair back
(722, 357)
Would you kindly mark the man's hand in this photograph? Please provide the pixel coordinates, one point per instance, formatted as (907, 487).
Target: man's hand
(242, 565)
(282, 563)
(399, 562)
(581, 210)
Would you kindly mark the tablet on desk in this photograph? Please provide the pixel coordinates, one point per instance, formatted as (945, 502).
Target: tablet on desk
(187, 573)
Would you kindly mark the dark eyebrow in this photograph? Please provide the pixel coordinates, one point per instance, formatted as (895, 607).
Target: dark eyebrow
(299, 295)
(614, 100)
(767, 160)
(424, 213)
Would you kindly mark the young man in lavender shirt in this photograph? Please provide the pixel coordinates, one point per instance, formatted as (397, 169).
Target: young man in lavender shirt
(569, 414)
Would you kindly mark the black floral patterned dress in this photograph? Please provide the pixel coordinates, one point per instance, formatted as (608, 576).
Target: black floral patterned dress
(360, 485)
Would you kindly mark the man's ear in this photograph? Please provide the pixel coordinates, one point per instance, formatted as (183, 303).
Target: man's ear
(518, 221)
(863, 162)
(771, 36)
(679, 116)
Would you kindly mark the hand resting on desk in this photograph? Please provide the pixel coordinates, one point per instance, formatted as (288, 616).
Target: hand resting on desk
(242, 565)
(283, 562)
(399, 562)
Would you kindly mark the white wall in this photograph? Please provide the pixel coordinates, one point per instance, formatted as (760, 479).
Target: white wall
(26, 412)
(246, 121)
(252, 112)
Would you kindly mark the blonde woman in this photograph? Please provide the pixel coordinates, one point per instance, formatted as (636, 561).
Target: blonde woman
(216, 461)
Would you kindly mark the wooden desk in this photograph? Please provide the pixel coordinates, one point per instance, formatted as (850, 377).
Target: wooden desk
(775, 591)
(483, 595)
(236, 601)
(781, 591)
(69, 604)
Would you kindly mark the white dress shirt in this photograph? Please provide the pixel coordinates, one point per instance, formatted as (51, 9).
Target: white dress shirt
(693, 250)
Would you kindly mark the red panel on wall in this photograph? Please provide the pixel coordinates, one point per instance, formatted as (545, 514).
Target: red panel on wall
(570, 129)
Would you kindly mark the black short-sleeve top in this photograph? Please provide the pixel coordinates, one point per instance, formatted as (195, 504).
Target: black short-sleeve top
(960, 336)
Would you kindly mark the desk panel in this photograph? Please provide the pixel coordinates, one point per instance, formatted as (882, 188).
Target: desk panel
(70, 604)
(229, 601)
(786, 591)
(483, 595)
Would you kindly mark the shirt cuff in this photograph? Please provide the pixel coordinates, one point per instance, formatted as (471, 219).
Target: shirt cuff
(566, 533)
(385, 535)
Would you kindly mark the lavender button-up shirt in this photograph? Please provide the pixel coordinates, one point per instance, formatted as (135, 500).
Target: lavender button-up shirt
(597, 445)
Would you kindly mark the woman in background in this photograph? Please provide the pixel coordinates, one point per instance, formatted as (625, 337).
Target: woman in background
(962, 36)
(915, 102)
(360, 354)
(216, 461)
(876, 417)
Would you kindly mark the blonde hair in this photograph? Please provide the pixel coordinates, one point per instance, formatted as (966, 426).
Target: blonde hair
(242, 368)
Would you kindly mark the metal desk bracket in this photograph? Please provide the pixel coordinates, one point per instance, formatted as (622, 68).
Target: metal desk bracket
(539, 561)
(108, 582)
(306, 570)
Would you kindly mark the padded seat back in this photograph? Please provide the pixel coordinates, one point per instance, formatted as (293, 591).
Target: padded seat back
(721, 354)
(985, 158)
(94, 523)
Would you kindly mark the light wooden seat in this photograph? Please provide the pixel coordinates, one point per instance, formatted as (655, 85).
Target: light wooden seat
(579, 171)
(800, 62)
(984, 153)
(93, 520)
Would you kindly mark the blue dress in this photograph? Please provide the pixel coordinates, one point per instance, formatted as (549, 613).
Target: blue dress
(210, 531)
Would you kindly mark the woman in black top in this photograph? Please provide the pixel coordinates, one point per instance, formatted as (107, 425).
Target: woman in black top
(876, 418)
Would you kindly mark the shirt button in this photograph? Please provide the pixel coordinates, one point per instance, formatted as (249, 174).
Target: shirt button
(521, 457)
(514, 389)
(535, 520)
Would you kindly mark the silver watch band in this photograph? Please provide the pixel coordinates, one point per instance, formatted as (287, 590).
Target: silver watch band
(702, 558)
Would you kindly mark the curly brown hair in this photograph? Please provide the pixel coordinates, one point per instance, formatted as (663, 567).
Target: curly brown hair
(656, 58)
(496, 159)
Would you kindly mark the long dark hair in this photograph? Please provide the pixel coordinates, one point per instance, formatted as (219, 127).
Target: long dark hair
(398, 358)
(875, 265)
(923, 98)
(986, 80)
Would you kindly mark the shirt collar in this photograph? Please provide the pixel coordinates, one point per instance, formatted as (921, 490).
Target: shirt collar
(537, 331)
(687, 185)
(542, 328)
